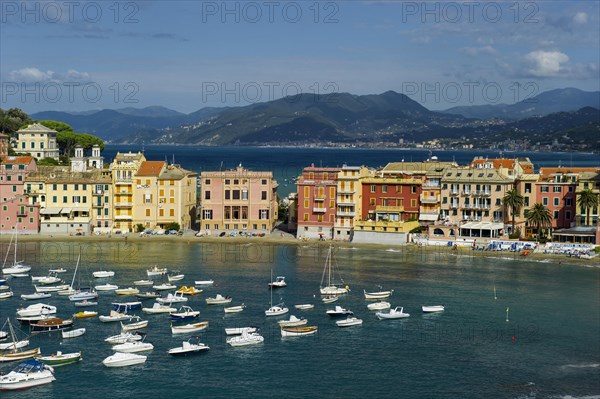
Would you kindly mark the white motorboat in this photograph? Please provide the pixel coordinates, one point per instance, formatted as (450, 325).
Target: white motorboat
(175, 277)
(304, 306)
(330, 288)
(339, 311)
(159, 308)
(59, 270)
(6, 294)
(148, 295)
(133, 347)
(204, 282)
(14, 345)
(234, 309)
(127, 291)
(185, 313)
(277, 310)
(36, 309)
(77, 332)
(188, 348)
(298, 331)
(432, 308)
(218, 300)
(27, 374)
(164, 287)
(52, 288)
(239, 330)
(189, 328)
(156, 271)
(330, 298)
(172, 298)
(293, 321)
(245, 339)
(106, 287)
(114, 316)
(138, 324)
(123, 337)
(143, 282)
(278, 283)
(47, 280)
(396, 313)
(377, 295)
(103, 274)
(349, 321)
(381, 305)
(121, 359)
(60, 359)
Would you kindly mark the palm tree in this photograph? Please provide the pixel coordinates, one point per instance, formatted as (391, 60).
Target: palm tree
(515, 202)
(587, 200)
(539, 217)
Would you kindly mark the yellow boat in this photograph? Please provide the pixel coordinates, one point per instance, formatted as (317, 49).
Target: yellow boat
(85, 314)
(185, 290)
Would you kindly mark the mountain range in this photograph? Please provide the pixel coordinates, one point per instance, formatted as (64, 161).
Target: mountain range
(334, 118)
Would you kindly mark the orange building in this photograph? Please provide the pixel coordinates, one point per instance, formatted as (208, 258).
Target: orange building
(317, 192)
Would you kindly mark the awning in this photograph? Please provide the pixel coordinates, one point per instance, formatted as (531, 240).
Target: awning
(65, 210)
(50, 211)
(432, 218)
(80, 209)
(482, 226)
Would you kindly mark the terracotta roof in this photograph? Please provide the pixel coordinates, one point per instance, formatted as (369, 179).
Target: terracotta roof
(151, 168)
(497, 162)
(24, 159)
(567, 170)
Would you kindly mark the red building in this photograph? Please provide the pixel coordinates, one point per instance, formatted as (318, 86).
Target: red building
(317, 191)
(15, 209)
(556, 190)
(393, 199)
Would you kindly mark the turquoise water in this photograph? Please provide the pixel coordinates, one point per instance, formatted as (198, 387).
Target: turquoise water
(549, 347)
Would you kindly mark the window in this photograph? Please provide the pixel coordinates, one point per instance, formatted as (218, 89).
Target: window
(545, 201)
(236, 181)
(54, 199)
(264, 182)
(227, 181)
(384, 188)
(227, 194)
(236, 194)
(306, 203)
(306, 192)
(306, 217)
(76, 187)
(332, 204)
(263, 195)
(207, 182)
(413, 189)
(263, 214)
(568, 215)
(372, 188)
(569, 202)
(147, 198)
(570, 189)
(556, 189)
(208, 214)
(64, 199)
(207, 195)
(371, 201)
(544, 189)
(171, 212)
(413, 202)
(84, 199)
(76, 199)
(556, 201)
(64, 187)
(555, 214)
(245, 195)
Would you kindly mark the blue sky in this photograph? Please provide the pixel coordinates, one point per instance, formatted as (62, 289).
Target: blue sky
(84, 55)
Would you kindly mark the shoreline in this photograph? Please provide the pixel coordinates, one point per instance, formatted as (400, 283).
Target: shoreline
(287, 239)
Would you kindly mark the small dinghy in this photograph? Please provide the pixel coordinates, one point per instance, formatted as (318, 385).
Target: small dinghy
(106, 287)
(298, 331)
(85, 303)
(304, 306)
(143, 282)
(86, 314)
(330, 298)
(189, 328)
(164, 287)
(36, 296)
(396, 313)
(137, 324)
(381, 305)
(148, 295)
(60, 359)
(433, 309)
(239, 330)
(293, 321)
(114, 316)
(234, 309)
(78, 332)
(103, 274)
(159, 308)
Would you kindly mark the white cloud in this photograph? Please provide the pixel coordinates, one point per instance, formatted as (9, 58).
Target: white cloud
(580, 18)
(544, 64)
(35, 75)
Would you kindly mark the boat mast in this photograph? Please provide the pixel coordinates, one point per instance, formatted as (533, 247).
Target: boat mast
(329, 266)
(12, 334)
(76, 266)
(16, 237)
(8, 250)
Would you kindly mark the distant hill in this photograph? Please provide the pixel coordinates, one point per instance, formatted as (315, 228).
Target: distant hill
(559, 100)
(151, 112)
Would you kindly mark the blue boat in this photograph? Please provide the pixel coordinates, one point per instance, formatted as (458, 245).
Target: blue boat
(185, 313)
(121, 306)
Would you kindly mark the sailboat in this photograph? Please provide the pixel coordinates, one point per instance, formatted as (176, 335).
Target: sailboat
(17, 267)
(13, 352)
(330, 288)
(78, 295)
(276, 310)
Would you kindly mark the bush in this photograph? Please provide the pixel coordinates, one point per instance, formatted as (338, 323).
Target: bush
(597, 249)
(515, 235)
(173, 226)
(139, 227)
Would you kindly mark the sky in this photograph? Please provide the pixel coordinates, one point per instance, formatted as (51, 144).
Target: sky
(187, 55)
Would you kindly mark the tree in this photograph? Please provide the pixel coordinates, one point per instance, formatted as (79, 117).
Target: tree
(587, 200)
(515, 202)
(173, 226)
(12, 120)
(67, 139)
(539, 217)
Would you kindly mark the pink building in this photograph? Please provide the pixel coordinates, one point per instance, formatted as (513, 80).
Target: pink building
(556, 190)
(317, 191)
(15, 208)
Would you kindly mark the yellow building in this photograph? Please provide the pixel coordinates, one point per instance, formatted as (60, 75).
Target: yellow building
(164, 194)
(37, 140)
(348, 201)
(123, 169)
(71, 202)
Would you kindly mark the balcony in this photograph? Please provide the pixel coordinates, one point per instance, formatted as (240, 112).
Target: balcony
(123, 204)
(381, 208)
(483, 192)
(428, 199)
(123, 217)
(120, 181)
(346, 214)
(319, 199)
(466, 192)
(346, 203)
(126, 192)
(98, 192)
(454, 192)
(454, 206)
(22, 213)
(97, 205)
(319, 210)
(345, 191)
(431, 185)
